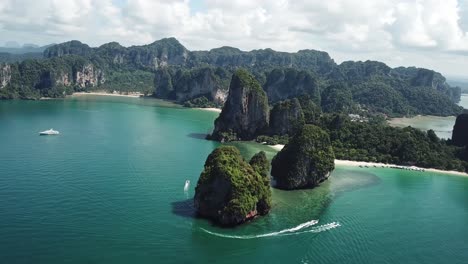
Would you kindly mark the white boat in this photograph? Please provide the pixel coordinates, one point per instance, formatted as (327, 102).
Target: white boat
(49, 132)
(187, 185)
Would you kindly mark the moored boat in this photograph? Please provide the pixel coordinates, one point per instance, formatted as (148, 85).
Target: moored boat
(49, 132)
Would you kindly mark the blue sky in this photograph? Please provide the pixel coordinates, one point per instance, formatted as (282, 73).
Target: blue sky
(424, 33)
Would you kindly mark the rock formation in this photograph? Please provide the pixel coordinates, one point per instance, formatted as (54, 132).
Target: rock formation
(245, 113)
(460, 131)
(230, 191)
(89, 76)
(282, 84)
(5, 75)
(305, 161)
(184, 85)
(286, 117)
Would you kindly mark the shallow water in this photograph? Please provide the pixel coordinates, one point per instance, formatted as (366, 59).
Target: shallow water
(110, 189)
(443, 126)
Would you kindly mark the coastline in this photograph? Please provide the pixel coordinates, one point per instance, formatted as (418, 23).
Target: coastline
(352, 163)
(211, 109)
(132, 95)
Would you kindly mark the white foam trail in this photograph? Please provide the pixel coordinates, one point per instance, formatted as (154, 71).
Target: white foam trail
(285, 232)
(187, 185)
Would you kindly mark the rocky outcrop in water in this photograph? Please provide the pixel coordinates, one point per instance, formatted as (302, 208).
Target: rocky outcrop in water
(286, 117)
(231, 191)
(460, 131)
(305, 161)
(245, 113)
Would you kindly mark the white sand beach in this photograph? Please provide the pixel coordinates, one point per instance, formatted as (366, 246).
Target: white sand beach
(212, 109)
(134, 95)
(278, 147)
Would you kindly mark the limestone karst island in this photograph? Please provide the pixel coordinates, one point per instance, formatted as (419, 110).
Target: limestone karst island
(201, 131)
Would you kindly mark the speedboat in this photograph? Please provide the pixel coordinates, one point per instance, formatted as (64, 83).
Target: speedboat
(49, 132)
(187, 185)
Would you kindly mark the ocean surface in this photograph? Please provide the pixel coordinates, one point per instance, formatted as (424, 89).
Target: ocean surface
(442, 126)
(110, 189)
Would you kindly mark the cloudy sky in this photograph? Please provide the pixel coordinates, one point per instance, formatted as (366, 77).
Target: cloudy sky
(425, 33)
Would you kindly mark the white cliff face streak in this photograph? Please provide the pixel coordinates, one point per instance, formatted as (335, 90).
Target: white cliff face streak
(5, 75)
(89, 76)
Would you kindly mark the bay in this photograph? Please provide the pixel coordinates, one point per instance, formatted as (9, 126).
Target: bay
(442, 126)
(109, 189)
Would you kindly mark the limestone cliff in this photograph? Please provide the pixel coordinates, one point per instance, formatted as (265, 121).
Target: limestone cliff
(5, 75)
(89, 76)
(305, 161)
(196, 83)
(286, 117)
(245, 113)
(184, 85)
(460, 131)
(282, 84)
(230, 191)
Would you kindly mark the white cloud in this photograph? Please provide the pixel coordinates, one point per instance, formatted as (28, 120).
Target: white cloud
(348, 29)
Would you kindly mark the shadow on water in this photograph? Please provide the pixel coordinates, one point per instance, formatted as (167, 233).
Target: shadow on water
(184, 208)
(197, 135)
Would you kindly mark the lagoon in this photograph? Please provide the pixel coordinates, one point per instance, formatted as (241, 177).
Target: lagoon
(442, 126)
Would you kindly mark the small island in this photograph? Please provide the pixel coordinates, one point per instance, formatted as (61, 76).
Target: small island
(305, 161)
(231, 191)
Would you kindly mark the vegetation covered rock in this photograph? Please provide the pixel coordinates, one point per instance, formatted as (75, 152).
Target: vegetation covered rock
(231, 191)
(305, 161)
(460, 131)
(245, 113)
(286, 117)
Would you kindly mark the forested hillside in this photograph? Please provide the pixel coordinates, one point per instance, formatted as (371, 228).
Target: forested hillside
(167, 70)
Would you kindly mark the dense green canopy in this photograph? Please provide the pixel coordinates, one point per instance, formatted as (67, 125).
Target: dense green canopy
(230, 190)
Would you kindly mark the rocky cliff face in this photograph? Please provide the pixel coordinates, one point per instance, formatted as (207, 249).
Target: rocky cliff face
(73, 47)
(89, 76)
(230, 191)
(202, 82)
(183, 85)
(161, 53)
(427, 78)
(286, 117)
(305, 161)
(460, 131)
(282, 84)
(245, 113)
(5, 75)
(230, 57)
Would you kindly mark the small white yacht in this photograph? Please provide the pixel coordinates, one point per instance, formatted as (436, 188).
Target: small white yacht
(49, 132)
(187, 185)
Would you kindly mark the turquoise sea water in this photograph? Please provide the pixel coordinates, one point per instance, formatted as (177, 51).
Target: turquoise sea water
(109, 189)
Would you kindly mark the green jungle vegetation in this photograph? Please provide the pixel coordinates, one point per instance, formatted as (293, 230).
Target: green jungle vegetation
(167, 70)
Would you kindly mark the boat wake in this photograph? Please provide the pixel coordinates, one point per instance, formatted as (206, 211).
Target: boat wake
(286, 232)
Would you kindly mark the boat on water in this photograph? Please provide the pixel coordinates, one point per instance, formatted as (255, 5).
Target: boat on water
(49, 132)
(187, 185)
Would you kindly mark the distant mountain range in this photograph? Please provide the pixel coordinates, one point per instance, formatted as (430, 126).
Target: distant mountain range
(166, 69)
(26, 48)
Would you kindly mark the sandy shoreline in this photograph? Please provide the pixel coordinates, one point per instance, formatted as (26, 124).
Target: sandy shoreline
(379, 165)
(211, 109)
(133, 95)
